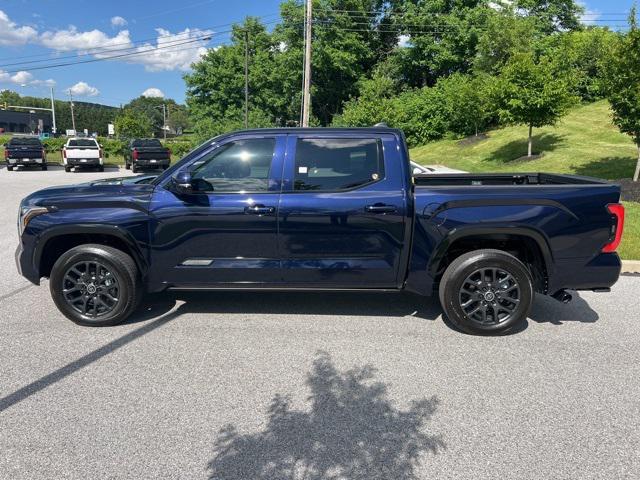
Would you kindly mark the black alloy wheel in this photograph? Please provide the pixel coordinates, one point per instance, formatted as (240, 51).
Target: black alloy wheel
(91, 289)
(486, 292)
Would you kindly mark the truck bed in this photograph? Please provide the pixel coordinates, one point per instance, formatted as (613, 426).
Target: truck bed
(495, 179)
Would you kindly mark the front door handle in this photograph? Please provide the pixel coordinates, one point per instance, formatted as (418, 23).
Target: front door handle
(259, 209)
(380, 208)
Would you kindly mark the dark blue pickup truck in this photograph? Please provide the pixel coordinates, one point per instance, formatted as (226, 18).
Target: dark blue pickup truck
(322, 209)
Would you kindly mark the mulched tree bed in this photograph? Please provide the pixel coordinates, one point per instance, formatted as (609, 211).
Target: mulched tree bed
(465, 142)
(630, 189)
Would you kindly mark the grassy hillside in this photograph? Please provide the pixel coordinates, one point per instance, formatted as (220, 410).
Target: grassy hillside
(584, 143)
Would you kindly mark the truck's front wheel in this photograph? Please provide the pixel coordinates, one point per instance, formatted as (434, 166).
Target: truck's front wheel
(486, 292)
(95, 285)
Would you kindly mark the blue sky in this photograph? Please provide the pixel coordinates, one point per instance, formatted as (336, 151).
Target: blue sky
(48, 31)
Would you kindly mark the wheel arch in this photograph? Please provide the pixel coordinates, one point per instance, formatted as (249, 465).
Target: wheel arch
(58, 240)
(528, 245)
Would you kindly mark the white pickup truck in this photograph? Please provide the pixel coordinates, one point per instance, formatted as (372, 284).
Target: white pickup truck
(82, 152)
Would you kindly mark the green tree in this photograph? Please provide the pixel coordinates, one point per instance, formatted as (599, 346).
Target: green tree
(505, 34)
(552, 15)
(533, 92)
(178, 118)
(468, 102)
(132, 124)
(623, 76)
(443, 38)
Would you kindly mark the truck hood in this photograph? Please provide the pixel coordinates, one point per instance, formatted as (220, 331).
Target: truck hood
(97, 194)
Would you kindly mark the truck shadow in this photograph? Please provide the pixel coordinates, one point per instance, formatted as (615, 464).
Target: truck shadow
(544, 310)
(351, 430)
(547, 310)
(296, 303)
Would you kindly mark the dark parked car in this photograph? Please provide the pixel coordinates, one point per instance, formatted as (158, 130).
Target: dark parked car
(26, 152)
(323, 209)
(146, 153)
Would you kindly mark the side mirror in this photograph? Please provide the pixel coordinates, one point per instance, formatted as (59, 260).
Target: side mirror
(181, 182)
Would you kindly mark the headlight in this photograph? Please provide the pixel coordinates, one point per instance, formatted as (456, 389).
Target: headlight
(26, 214)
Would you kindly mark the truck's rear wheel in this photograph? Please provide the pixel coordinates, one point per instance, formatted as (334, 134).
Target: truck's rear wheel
(67, 168)
(95, 285)
(486, 292)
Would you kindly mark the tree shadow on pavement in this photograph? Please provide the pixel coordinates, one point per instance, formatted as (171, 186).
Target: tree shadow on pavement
(352, 430)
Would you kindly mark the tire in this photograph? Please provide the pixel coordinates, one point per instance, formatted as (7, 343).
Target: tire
(10, 168)
(89, 301)
(127, 166)
(44, 167)
(101, 168)
(486, 292)
(134, 169)
(67, 168)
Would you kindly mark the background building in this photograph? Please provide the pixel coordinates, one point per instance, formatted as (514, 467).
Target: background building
(25, 121)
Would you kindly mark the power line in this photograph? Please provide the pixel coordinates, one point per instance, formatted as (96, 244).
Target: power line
(108, 48)
(148, 50)
(93, 60)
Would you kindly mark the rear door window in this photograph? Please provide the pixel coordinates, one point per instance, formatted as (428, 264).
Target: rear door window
(334, 164)
(83, 142)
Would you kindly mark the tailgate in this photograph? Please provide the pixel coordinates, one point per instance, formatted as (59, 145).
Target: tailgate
(24, 152)
(152, 153)
(82, 152)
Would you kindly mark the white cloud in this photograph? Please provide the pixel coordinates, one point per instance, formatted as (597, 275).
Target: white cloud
(83, 89)
(22, 77)
(118, 21)
(153, 93)
(12, 34)
(170, 51)
(25, 78)
(72, 39)
(49, 82)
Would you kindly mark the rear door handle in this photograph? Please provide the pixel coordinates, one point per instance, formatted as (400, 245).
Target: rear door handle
(380, 208)
(259, 210)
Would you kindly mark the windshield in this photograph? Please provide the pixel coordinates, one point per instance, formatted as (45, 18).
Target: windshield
(150, 142)
(83, 142)
(32, 142)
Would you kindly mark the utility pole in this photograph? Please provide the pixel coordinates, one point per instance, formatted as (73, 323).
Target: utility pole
(246, 78)
(73, 118)
(164, 120)
(306, 94)
(54, 129)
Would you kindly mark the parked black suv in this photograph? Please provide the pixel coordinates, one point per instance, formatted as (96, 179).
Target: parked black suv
(146, 153)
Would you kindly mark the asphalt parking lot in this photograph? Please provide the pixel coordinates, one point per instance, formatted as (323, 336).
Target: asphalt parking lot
(310, 386)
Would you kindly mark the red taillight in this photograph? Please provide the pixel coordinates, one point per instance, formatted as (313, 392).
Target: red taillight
(135, 154)
(617, 213)
(64, 153)
(101, 153)
(6, 154)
